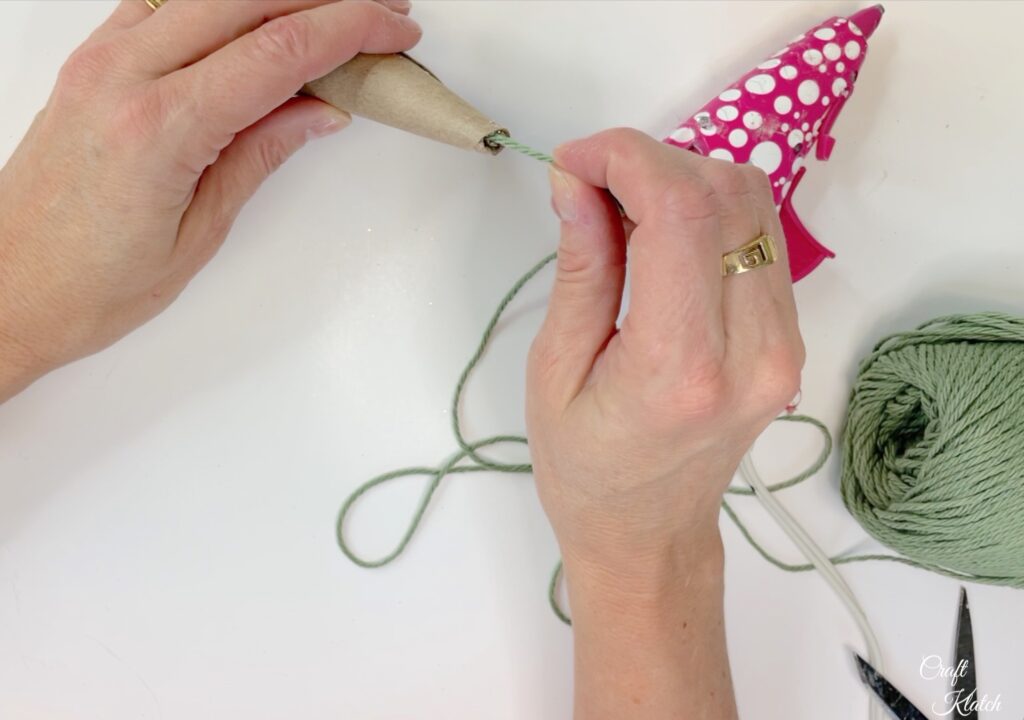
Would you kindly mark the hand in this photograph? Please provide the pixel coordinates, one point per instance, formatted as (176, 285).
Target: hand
(636, 431)
(160, 127)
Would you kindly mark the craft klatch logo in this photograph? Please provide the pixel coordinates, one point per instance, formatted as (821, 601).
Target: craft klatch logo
(959, 701)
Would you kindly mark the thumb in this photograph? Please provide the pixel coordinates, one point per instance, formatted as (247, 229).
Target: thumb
(241, 168)
(589, 278)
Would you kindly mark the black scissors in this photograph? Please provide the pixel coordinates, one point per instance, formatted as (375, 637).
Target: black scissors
(965, 681)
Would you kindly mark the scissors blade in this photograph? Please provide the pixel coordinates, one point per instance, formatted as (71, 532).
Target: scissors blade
(899, 706)
(966, 680)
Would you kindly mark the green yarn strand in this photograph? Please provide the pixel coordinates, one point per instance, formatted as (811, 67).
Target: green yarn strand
(454, 465)
(812, 469)
(505, 141)
(460, 386)
(933, 448)
(436, 475)
(556, 608)
(469, 460)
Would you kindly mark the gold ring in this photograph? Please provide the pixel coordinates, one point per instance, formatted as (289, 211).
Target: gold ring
(757, 253)
(155, 4)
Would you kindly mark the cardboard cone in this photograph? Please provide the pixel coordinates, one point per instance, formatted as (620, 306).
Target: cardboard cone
(396, 90)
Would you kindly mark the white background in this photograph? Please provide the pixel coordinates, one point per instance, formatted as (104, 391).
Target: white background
(167, 506)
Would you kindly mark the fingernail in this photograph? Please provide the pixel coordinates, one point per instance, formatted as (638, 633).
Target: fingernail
(329, 123)
(563, 199)
(396, 5)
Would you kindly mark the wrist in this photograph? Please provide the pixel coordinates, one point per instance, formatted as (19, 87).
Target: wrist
(17, 371)
(20, 366)
(649, 640)
(640, 538)
(635, 575)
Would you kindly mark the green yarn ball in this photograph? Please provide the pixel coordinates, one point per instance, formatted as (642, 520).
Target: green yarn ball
(933, 450)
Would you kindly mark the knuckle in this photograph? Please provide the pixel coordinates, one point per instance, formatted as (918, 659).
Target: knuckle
(789, 386)
(706, 392)
(725, 177)
(650, 357)
(689, 197)
(86, 66)
(572, 264)
(368, 17)
(782, 366)
(270, 153)
(141, 115)
(799, 353)
(626, 139)
(372, 11)
(701, 398)
(284, 39)
(643, 154)
(759, 182)
(680, 387)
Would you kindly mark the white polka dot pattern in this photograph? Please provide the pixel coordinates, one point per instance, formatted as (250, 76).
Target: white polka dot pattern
(808, 92)
(727, 113)
(738, 137)
(752, 120)
(760, 84)
(812, 56)
(783, 109)
(767, 156)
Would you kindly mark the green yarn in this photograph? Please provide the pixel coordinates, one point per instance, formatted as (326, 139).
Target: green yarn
(934, 446)
(453, 465)
(933, 451)
(505, 141)
(468, 459)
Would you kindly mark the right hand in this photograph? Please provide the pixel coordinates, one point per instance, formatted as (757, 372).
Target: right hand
(161, 126)
(635, 431)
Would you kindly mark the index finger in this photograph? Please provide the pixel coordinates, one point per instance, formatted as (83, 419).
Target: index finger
(243, 81)
(675, 253)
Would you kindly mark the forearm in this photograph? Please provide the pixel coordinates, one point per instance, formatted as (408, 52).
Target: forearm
(650, 641)
(21, 363)
(17, 368)
(20, 366)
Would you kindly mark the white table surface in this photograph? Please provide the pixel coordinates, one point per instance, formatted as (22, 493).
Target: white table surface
(167, 506)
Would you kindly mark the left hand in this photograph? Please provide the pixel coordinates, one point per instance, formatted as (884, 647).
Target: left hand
(161, 126)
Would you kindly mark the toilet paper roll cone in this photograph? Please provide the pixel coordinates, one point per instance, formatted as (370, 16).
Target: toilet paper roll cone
(396, 90)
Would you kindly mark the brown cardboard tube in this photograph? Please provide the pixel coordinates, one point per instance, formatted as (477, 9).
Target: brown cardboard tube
(396, 90)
